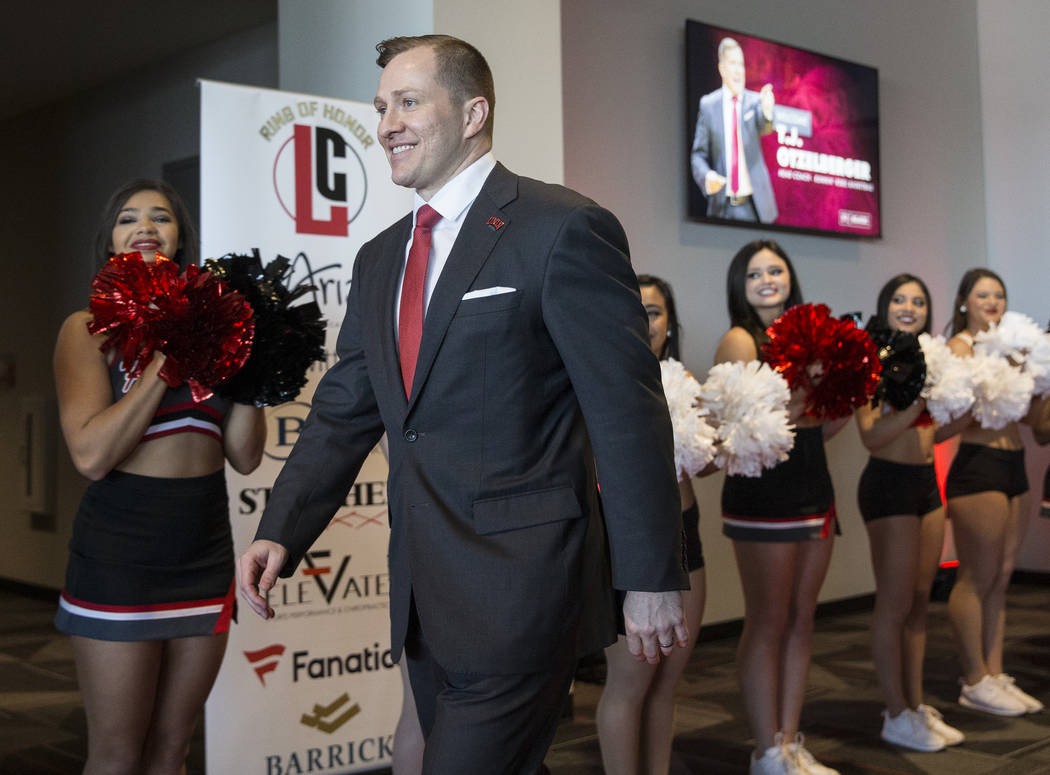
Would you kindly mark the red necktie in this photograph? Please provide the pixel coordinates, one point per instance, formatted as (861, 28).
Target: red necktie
(734, 154)
(410, 317)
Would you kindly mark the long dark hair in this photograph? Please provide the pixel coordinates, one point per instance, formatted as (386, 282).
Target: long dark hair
(189, 248)
(741, 313)
(882, 306)
(671, 347)
(965, 286)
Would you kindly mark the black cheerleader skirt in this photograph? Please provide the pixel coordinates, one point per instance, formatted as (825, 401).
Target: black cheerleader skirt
(150, 559)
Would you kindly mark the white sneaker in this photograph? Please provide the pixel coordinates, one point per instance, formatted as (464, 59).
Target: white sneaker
(774, 761)
(910, 730)
(805, 761)
(989, 696)
(935, 721)
(1031, 704)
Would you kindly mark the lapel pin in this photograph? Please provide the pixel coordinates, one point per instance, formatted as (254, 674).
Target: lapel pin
(494, 223)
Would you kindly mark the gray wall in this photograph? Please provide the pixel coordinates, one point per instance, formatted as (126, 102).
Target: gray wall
(1016, 124)
(626, 145)
(60, 164)
(329, 48)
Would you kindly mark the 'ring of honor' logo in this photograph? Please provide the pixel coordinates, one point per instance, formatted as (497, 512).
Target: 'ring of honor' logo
(283, 425)
(319, 180)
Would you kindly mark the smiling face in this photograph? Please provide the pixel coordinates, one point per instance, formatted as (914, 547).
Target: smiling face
(428, 138)
(146, 224)
(656, 308)
(767, 284)
(985, 304)
(908, 309)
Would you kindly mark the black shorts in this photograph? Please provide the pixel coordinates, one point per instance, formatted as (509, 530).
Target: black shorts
(692, 549)
(978, 468)
(888, 489)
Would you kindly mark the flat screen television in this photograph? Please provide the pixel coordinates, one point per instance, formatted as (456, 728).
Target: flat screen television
(798, 147)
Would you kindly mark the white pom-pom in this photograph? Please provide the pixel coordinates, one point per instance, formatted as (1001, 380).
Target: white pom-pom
(1021, 340)
(1012, 338)
(1037, 363)
(1002, 392)
(949, 383)
(694, 438)
(748, 404)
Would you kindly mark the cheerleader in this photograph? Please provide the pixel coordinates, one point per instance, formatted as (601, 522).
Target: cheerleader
(635, 715)
(900, 503)
(782, 526)
(149, 590)
(1041, 432)
(987, 493)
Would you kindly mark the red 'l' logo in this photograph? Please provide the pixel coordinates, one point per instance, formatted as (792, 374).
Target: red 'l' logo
(305, 176)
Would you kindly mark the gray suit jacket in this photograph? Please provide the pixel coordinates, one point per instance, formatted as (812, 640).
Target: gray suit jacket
(496, 526)
(709, 153)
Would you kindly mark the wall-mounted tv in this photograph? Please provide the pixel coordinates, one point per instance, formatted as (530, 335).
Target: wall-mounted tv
(779, 136)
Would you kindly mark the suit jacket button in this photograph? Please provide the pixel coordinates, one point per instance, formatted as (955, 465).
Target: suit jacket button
(411, 435)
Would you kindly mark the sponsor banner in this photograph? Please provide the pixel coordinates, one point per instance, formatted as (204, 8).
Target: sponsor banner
(313, 689)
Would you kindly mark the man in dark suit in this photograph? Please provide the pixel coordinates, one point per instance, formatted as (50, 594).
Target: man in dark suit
(735, 181)
(533, 367)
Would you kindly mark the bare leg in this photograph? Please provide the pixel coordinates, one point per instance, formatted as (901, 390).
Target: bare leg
(979, 525)
(894, 543)
(408, 737)
(810, 570)
(931, 543)
(188, 670)
(766, 572)
(995, 608)
(118, 684)
(658, 716)
(619, 714)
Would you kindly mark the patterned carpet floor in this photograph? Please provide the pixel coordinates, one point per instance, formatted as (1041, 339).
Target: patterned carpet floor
(42, 727)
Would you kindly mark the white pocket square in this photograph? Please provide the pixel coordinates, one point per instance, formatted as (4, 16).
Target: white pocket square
(482, 292)
(749, 115)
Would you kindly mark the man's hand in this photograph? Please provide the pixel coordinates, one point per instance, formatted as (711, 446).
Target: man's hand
(257, 571)
(713, 182)
(765, 97)
(654, 622)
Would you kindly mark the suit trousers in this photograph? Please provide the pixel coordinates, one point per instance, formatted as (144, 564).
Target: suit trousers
(498, 724)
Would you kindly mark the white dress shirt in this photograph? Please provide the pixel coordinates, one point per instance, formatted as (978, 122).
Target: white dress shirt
(452, 202)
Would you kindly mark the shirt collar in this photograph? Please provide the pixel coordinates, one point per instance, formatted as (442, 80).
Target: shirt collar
(459, 193)
(727, 95)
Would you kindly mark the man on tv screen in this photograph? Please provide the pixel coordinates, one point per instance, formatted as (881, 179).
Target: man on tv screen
(727, 153)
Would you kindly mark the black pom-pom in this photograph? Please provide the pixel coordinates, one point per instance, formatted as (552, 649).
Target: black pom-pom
(288, 339)
(903, 365)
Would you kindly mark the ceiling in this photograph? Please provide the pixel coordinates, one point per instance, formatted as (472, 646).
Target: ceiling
(51, 49)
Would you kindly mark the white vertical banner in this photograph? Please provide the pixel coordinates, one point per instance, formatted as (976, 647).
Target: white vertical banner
(313, 689)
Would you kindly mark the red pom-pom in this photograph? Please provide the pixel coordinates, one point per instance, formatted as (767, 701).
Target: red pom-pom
(123, 306)
(835, 362)
(204, 330)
